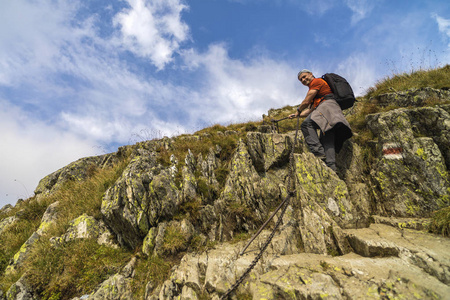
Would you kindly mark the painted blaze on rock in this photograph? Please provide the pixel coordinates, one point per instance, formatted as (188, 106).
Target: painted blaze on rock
(411, 176)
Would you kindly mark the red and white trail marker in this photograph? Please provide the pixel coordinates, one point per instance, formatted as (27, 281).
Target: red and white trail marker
(392, 151)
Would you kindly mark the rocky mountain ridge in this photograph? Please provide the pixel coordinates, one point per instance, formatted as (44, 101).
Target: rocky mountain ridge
(354, 234)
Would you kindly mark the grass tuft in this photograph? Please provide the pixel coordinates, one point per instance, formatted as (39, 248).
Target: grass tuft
(440, 223)
(174, 240)
(438, 78)
(153, 270)
(44, 264)
(73, 268)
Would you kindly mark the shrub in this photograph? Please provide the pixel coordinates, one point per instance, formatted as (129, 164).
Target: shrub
(174, 240)
(440, 222)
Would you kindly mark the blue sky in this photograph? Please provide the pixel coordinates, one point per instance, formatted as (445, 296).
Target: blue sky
(80, 78)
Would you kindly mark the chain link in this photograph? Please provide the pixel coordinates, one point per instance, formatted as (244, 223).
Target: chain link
(280, 219)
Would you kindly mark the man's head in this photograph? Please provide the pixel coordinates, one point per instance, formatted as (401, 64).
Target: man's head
(305, 77)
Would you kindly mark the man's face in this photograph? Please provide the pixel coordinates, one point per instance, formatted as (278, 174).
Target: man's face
(306, 78)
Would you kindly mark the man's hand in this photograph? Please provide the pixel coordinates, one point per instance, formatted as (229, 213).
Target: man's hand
(294, 115)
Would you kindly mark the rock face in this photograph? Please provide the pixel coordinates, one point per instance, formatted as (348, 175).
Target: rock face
(77, 170)
(354, 234)
(7, 222)
(21, 290)
(413, 97)
(87, 227)
(143, 196)
(48, 217)
(411, 175)
(386, 263)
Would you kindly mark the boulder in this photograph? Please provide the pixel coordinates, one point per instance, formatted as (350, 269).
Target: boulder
(6, 222)
(50, 215)
(412, 98)
(350, 162)
(5, 209)
(168, 238)
(268, 150)
(410, 175)
(77, 170)
(428, 252)
(143, 196)
(241, 203)
(318, 184)
(117, 286)
(21, 290)
(87, 227)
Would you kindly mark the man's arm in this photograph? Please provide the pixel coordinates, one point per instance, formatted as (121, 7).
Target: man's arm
(305, 103)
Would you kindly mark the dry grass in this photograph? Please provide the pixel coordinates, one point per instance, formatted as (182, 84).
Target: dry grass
(154, 269)
(71, 269)
(438, 78)
(47, 266)
(440, 223)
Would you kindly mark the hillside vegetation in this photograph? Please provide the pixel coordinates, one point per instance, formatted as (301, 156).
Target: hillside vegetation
(55, 269)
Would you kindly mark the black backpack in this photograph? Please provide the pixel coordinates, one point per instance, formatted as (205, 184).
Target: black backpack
(342, 91)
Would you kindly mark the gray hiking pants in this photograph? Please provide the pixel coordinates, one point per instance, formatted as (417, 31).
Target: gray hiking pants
(322, 147)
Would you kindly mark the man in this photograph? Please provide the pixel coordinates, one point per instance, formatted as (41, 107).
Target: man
(322, 113)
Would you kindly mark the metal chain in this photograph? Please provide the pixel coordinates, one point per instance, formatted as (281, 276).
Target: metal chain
(261, 252)
(280, 219)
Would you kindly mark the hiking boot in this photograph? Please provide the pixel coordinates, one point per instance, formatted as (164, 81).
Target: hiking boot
(322, 157)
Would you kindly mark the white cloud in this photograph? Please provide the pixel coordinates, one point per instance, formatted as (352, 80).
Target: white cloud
(315, 7)
(444, 25)
(153, 29)
(360, 8)
(237, 91)
(31, 149)
(359, 71)
(78, 81)
(52, 62)
(31, 36)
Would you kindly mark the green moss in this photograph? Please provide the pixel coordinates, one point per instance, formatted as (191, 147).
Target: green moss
(332, 251)
(382, 179)
(324, 265)
(241, 236)
(244, 295)
(306, 179)
(411, 208)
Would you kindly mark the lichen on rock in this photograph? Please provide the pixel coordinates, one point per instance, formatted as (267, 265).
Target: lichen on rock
(411, 174)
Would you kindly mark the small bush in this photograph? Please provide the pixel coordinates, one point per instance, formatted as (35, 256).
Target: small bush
(221, 174)
(174, 240)
(189, 210)
(440, 223)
